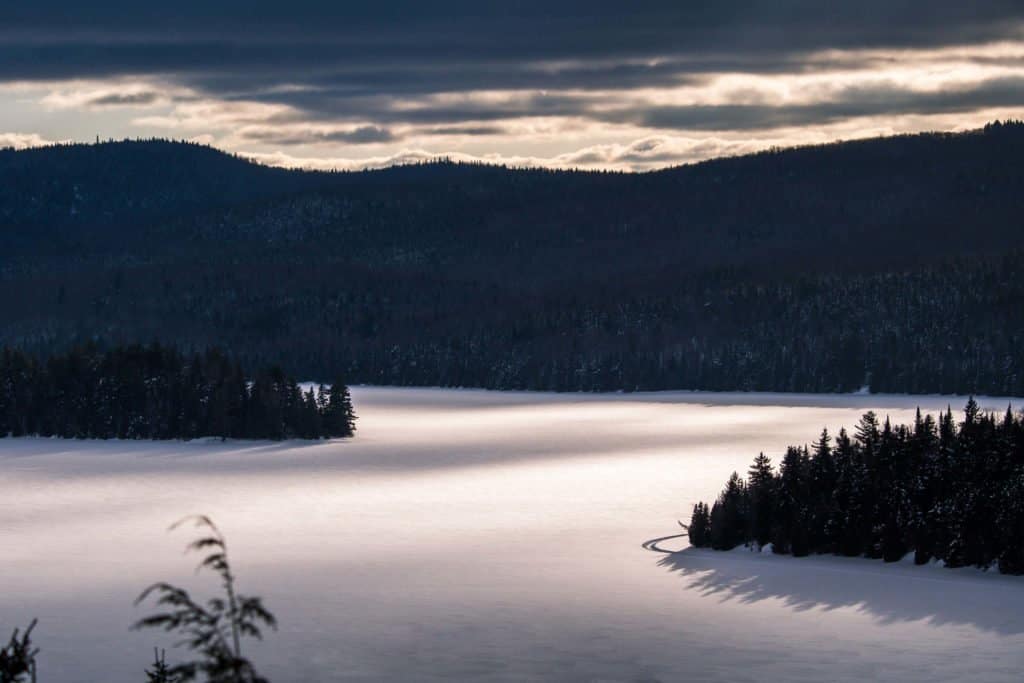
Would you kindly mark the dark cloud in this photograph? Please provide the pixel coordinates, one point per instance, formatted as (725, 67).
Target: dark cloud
(464, 130)
(844, 103)
(351, 61)
(362, 135)
(332, 106)
(123, 99)
(526, 28)
(848, 103)
(60, 38)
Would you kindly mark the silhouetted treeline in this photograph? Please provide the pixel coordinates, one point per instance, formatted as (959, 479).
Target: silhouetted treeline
(895, 263)
(156, 392)
(943, 491)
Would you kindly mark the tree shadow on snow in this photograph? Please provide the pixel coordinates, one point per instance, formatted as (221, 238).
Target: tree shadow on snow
(891, 593)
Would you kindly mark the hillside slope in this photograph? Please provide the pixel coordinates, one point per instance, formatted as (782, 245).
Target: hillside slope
(891, 261)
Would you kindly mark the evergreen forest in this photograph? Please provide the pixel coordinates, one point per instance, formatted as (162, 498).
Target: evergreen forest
(944, 490)
(893, 263)
(157, 392)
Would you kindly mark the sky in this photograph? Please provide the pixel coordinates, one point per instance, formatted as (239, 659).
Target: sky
(619, 85)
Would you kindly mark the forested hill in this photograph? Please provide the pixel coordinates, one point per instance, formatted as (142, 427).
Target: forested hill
(894, 262)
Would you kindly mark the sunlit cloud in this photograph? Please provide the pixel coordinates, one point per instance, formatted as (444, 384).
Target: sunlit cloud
(660, 93)
(135, 94)
(213, 115)
(653, 151)
(23, 140)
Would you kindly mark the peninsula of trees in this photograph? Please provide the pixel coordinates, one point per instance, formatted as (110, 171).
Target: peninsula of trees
(156, 392)
(940, 490)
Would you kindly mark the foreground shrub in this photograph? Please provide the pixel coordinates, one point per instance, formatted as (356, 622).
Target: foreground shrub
(213, 633)
(18, 658)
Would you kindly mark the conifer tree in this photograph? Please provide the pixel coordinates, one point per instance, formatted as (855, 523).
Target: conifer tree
(761, 490)
(160, 673)
(791, 532)
(728, 515)
(822, 482)
(699, 530)
(340, 418)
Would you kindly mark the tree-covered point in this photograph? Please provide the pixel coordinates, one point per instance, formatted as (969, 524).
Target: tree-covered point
(943, 491)
(156, 392)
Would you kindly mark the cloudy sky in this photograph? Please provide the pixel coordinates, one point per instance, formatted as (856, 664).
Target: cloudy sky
(625, 84)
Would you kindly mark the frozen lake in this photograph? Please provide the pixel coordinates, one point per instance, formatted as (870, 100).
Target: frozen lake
(469, 535)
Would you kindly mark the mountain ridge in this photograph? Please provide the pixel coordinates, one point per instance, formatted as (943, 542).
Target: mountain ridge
(482, 275)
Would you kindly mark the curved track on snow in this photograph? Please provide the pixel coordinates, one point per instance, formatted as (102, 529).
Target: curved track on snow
(653, 546)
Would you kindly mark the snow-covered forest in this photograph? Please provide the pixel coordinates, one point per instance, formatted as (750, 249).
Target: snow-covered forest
(894, 263)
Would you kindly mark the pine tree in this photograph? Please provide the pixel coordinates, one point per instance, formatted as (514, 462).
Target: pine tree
(1010, 523)
(728, 515)
(925, 487)
(791, 533)
(761, 490)
(339, 420)
(311, 422)
(699, 530)
(822, 482)
(160, 673)
(849, 515)
(868, 435)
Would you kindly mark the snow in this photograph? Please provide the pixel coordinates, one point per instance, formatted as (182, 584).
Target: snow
(485, 536)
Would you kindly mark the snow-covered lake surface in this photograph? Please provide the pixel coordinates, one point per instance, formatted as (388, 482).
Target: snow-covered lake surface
(468, 535)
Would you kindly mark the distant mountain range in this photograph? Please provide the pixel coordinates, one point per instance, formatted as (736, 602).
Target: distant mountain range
(894, 262)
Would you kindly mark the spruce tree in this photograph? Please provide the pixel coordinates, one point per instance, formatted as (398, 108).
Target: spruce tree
(339, 421)
(791, 532)
(761, 491)
(822, 483)
(160, 672)
(728, 515)
(699, 530)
